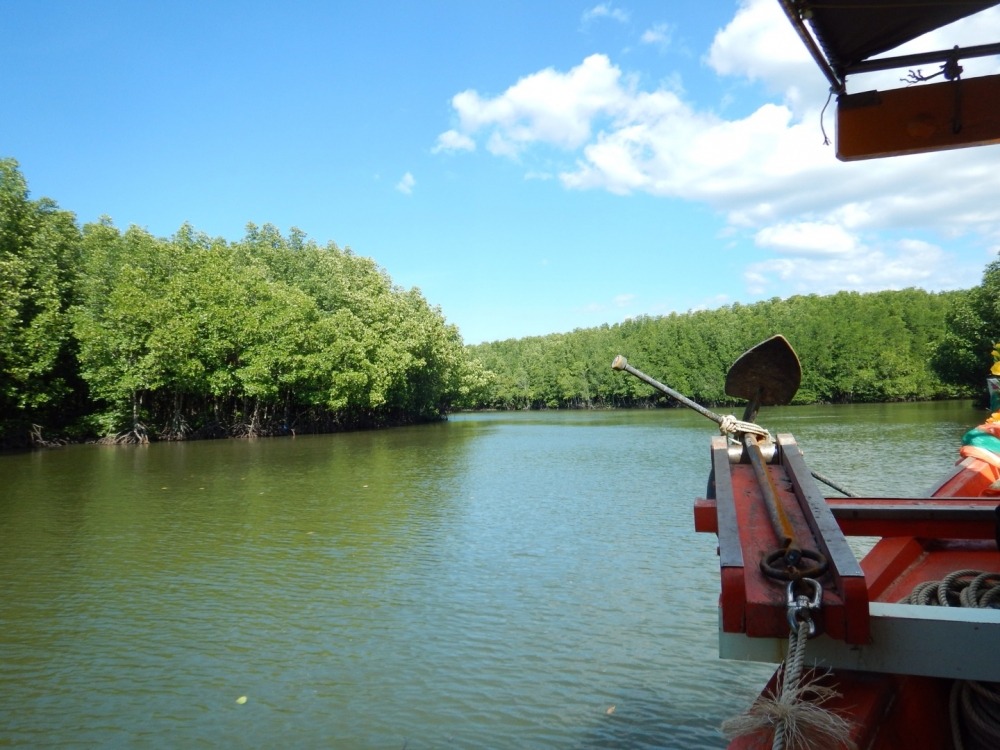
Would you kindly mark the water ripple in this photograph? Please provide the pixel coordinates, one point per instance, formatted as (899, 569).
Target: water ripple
(512, 581)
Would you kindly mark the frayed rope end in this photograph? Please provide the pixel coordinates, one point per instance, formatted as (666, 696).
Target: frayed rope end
(805, 723)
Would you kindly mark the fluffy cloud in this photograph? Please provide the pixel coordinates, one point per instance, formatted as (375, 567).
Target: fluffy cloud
(659, 35)
(855, 266)
(452, 140)
(808, 238)
(406, 184)
(760, 44)
(814, 220)
(606, 10)
(546, 107)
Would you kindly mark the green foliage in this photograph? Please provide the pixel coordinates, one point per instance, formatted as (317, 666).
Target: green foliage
(192, 335)
(853, 347)
(38, 245)
(963, 358)
(262, 336)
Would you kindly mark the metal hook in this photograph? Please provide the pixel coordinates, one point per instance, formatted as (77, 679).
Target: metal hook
(800, 606)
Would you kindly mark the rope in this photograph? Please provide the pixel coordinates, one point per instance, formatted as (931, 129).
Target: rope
(830, 483)
(974, 706)
(730, 425)
(790, 681)
(797, 715)
(826, 140)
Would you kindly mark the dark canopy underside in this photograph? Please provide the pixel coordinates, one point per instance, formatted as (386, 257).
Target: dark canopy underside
(850, 31)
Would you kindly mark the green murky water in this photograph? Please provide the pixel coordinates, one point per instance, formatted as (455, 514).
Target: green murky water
(498, 581)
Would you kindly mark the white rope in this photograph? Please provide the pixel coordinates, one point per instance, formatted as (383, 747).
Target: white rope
(730, 425)
(797, 715)
(790, 682)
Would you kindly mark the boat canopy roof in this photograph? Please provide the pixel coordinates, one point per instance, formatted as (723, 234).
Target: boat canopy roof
(849, 33)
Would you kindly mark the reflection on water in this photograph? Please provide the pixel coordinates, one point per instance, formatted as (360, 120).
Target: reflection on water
(497, 581)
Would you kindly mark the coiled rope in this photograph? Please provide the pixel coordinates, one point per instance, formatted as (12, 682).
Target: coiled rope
(974, 706)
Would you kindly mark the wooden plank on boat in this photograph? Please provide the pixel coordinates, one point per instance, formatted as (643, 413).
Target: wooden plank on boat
(952, 518)
(750, 601)
(848, 576)
(917, 119)
(950, 642)
(730, 551)
(733, 597)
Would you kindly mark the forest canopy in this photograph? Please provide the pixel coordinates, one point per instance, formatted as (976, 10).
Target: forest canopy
(853, 348)
(130, 337)
(123, 334)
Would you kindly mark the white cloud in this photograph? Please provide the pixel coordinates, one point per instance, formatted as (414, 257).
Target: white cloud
(548, 107)
(808, 238)
(659, 35)
(606, 10)
(815, 220)
(406, 184)
(906, 263)
(760, 44)
(452, 140)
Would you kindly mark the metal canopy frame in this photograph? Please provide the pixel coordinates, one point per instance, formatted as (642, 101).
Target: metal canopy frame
(845, 37)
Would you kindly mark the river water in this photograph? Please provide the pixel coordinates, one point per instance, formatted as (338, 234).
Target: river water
(527, 580)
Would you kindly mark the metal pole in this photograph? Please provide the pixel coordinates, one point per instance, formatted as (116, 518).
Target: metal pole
(621, 363)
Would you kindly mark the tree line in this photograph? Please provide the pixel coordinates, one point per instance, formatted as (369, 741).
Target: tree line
(853, 348)
(132, 337)
(128, 337)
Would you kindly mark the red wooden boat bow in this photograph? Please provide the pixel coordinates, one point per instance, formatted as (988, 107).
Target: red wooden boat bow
(892, 664)
(893, 673)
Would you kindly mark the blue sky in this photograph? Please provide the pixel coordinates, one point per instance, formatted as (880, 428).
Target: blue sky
(531, 167)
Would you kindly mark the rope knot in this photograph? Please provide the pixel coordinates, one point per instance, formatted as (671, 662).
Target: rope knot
(730, 425)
